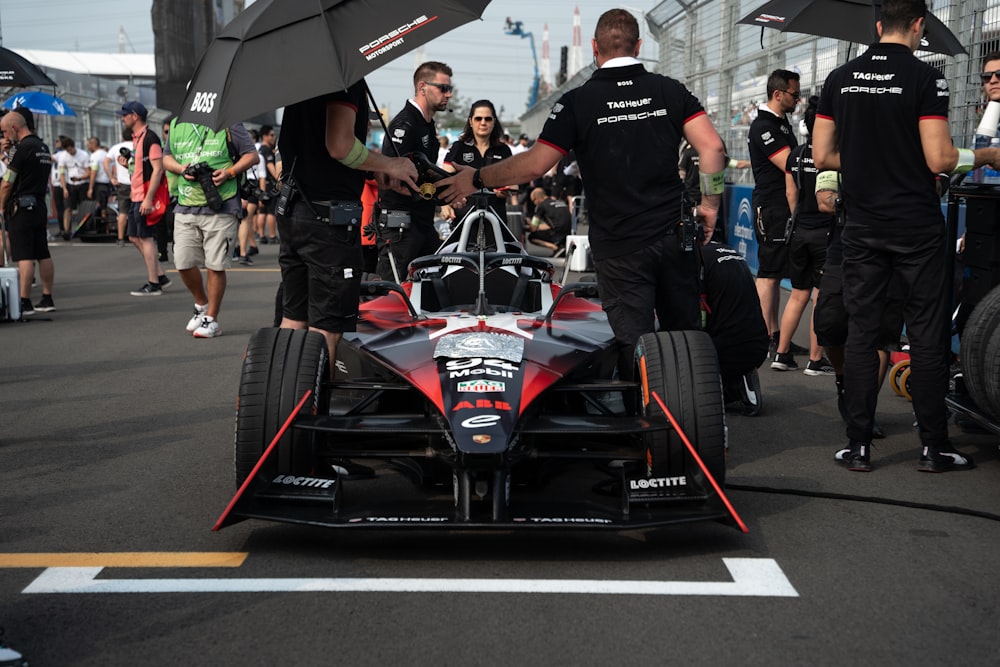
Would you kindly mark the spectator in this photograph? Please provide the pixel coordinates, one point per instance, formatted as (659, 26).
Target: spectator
(206, 220)
(74, 178)
(147, 172)
(100, 181)
(121, 180)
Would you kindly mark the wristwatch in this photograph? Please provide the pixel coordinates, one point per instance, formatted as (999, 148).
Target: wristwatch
(477, 180)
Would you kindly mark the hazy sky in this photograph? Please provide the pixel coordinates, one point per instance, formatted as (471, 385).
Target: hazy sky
(487, 63)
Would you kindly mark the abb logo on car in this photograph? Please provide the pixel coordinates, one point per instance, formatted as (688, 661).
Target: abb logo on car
(204, 102)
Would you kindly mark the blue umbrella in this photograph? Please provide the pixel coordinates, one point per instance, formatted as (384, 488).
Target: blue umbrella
(39, 103)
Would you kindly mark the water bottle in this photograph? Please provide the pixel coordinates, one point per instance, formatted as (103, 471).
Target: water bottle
(985, 134)
(992, 176)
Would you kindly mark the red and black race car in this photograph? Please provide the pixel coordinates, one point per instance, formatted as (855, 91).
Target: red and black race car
(479, 394)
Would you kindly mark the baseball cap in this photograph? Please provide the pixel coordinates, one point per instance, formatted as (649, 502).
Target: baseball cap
(133, 107)
(523, 136)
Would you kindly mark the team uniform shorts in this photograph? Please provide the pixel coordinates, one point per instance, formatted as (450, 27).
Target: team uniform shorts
(806, 256)
(204, 239)
(320, 271)
(28, 235)
(772, 251)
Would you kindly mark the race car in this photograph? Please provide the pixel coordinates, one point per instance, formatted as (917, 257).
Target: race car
(480, 394)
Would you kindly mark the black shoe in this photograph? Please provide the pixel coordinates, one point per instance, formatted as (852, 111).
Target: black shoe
(821, 366)
(877, 432)
(66, 236)
(46, 304)
(856, 456)
(252, 250)
(273, 240)
(944, 460)
(262, 240)
(784, 361)
(26, 307)
(163, 257)
(164, 282)
(745, 394)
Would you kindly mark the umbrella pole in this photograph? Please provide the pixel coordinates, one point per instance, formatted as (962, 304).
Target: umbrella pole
(381, 120)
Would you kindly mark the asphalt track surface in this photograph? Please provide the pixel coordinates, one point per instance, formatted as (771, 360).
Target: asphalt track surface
(116, 459)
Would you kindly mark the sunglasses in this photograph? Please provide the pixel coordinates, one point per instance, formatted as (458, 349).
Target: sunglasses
(986, 77)
(483, 119)
(796, 94)
(443, 87)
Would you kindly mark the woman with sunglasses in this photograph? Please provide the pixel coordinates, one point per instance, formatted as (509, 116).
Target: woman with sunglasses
(480, 144)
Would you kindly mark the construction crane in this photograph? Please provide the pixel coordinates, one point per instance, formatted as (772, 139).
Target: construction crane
(516, 28)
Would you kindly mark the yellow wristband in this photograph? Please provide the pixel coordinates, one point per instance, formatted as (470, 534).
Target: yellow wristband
(356, 157)
(713, 184)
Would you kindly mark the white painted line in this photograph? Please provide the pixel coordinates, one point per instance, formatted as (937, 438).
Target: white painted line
(752, 577)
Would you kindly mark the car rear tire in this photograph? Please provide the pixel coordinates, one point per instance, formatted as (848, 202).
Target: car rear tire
(280, 365)
(976, 339)
(682, 368)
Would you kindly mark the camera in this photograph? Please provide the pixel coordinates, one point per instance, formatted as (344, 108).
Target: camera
(202, 173)
(125, 153)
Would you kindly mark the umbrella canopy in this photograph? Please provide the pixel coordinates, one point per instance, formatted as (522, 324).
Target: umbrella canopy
(15, 70)
(278, 52)
(849, 20)
(39, 103)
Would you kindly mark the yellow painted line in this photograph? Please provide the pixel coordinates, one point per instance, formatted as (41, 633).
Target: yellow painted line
(126, 559)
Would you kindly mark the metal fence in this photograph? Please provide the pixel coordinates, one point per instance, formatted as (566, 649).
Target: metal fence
(726, 65)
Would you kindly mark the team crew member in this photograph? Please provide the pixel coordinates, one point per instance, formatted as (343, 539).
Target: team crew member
(626, 125)
(771, 140)
(894, 222)
(733, 319)
(22, 195)
(806, 253)
(412, 131)
(481, 143)
(551, 222)
(320, 258)
(688, 168)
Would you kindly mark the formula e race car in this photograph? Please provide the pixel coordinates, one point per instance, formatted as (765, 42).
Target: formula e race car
(479, 394)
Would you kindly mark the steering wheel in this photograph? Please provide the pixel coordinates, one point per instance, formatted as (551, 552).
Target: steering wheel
(428, 174)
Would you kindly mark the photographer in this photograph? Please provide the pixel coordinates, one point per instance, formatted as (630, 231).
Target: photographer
(208, 210)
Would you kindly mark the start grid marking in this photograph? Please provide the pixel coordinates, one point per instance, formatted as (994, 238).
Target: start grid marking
(78, 573)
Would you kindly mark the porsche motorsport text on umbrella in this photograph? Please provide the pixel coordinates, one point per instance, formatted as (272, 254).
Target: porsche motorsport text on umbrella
(848, 20)
(305, 48)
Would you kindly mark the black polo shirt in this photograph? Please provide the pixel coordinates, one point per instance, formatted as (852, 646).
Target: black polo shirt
(303, 146)
(410, 133)
(877, 102)
(769, 135)
(32, 162)
(466, 154)
(555, 213)
(801, 166)
(625, 125)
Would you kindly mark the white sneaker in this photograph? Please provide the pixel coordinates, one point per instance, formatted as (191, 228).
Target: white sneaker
(209, 328)
(195, 321)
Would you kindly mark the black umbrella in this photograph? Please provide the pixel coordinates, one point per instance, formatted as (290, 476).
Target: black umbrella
(15, 70)
(849, 20)
(278, 52)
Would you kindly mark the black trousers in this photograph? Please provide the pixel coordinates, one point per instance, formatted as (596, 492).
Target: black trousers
(919, 256)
